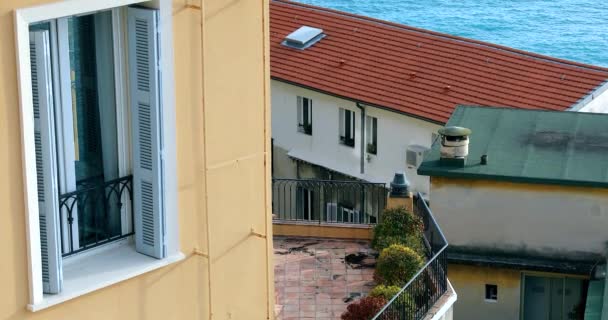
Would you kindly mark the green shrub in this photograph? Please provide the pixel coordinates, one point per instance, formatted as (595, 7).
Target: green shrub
(398, 226)
(364, 309)
(396, 265)
(387, 292)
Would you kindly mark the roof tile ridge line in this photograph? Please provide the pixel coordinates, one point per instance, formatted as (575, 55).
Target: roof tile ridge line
(589, 97)
(533, 55)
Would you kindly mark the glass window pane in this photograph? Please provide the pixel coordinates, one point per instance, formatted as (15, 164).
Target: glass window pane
(94, 124)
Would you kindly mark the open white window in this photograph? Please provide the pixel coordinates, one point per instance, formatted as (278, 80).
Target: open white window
(94, 106)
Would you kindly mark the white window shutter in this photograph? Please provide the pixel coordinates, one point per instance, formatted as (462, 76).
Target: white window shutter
(341, 123)
(44, 141)
(147, 145)
(309, 111)
(300, 112)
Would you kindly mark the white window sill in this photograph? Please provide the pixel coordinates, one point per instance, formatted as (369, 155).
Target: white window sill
(102, 268)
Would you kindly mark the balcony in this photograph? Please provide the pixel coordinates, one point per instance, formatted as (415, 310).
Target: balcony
(312, 221)
(428, 295)
(327, 201)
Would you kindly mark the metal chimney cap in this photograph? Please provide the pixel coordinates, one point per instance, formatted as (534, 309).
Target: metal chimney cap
(400, 186)
(453, 131)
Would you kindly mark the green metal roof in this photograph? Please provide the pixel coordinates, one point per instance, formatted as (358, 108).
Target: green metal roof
(548, 147)
(595, 300)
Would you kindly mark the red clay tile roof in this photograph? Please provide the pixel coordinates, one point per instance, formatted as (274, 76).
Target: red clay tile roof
(419, 72)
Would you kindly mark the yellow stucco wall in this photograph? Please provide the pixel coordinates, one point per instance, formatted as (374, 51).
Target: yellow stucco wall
(469, 282)
(223, 139)
(547, 219)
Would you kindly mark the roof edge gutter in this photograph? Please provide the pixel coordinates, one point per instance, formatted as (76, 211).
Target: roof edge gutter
(584, 101)
(357, 101)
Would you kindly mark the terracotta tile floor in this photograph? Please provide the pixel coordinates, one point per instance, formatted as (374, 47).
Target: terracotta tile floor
(317, 278)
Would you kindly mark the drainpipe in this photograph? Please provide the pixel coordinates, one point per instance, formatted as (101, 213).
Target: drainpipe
(362, 108)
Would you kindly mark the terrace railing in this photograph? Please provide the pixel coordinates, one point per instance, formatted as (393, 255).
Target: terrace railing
(328, 201)
(426, 287)
(96, 206)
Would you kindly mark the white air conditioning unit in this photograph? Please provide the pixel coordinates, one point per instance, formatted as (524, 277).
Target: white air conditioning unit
(414, 155)
(332, 212)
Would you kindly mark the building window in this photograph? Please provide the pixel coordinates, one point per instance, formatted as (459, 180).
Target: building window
(491, 292)
(553, 297)
(372, 135)
(347, 127)
(305, 203)
(305, 115)
(97, 148)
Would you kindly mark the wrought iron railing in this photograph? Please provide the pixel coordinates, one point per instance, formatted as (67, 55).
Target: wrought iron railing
(426, 287)
(328, 201)
(92, 215)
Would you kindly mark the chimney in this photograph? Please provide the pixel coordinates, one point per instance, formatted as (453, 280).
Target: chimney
(454, 146)
(400, 195)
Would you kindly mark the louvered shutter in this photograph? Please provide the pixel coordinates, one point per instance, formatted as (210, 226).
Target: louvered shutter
(299, 109)
(147, 144)
(341, 124)
(48, 199)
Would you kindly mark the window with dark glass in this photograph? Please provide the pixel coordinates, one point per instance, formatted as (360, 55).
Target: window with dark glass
(372, 135)
(347, 127)
(305, 115)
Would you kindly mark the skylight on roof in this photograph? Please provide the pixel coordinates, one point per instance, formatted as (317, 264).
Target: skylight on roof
(303, 38)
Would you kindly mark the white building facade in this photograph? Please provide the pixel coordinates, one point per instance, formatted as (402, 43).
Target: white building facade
(324, 137)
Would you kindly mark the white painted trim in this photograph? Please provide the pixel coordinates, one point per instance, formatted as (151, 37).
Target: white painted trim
(65, 128)
(123, 112)
(169, 152)
(132, 264)
(69, 8)
(584, 101)
(29, 157)
(22, 19)
(447, 305)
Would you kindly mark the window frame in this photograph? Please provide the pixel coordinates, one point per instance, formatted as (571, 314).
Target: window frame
(488, 295)
(62, 95)
(304, 107)
(23, 17)
(371, 132)
(347, 139)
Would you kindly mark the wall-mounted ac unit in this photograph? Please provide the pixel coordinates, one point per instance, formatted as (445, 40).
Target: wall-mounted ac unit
(414, 155)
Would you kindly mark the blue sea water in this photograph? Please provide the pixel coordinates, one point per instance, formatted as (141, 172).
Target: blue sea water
(570, 29)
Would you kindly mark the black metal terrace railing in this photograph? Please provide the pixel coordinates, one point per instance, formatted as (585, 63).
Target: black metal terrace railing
(91, 215)
(328, 201)
(430, 283)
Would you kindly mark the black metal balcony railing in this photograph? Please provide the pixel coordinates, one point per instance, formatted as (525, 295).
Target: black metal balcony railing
(430, 283)
(98, 207)
(328, 201)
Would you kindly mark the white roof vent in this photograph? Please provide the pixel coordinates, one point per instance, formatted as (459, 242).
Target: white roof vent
(303, 38)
